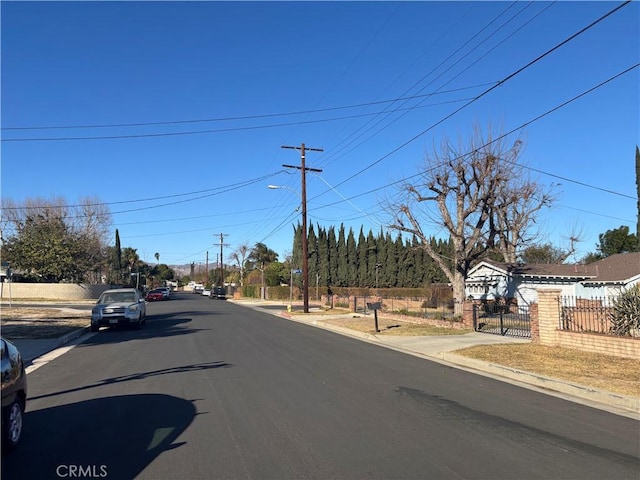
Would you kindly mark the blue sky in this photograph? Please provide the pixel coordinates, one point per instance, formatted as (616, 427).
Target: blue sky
(194, 100)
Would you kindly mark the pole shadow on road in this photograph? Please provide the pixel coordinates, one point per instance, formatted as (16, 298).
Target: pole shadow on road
(137, 376)
(112, 437)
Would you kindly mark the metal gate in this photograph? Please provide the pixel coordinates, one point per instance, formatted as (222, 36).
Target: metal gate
(505, 320)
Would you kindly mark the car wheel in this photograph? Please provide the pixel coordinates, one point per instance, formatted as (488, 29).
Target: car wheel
(138, 324)
(12, 424)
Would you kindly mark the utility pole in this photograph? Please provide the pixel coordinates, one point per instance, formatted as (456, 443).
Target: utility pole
(206, 268)
(222, 244)
(305, 256)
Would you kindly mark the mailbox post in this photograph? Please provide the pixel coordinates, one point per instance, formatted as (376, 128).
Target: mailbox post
(375, 306)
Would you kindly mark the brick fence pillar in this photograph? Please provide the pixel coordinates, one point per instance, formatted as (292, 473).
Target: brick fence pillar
(467, 313)
(548, 316)
(534, 325)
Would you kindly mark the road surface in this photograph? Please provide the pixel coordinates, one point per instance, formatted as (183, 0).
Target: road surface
(209, 389)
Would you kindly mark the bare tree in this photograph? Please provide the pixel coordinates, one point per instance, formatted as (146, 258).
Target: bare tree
(518, 201)
(476, 193)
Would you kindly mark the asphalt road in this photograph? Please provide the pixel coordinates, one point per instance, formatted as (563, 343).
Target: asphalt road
(212, 390)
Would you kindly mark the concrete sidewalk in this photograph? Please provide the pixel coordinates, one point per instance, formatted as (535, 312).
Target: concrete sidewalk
(31, 349)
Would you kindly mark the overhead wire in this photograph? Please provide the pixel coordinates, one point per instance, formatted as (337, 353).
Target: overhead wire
(405, 98)
(483, 94)
(510, 132)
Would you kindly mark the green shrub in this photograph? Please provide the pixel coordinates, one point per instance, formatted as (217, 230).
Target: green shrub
(251, 291)
(625, 315)
(282, 293)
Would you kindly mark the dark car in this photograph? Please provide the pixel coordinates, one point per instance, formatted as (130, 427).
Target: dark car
(218, 292)
(155, 295)
(14, 394)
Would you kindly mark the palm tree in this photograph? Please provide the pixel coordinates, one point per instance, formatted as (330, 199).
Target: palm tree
(157, 255)
(262, 255)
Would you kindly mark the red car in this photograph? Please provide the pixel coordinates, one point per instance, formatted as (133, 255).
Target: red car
(154, 295)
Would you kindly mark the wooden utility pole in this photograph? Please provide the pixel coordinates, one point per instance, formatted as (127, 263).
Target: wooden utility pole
(222, 244)
(305, 254)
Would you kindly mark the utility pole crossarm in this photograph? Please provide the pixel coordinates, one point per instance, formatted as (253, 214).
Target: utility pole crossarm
(308, 169)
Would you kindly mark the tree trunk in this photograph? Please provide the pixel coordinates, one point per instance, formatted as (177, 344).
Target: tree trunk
(458, 294)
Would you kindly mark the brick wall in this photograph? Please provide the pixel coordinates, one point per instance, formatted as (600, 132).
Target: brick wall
(51, 291)
(545, 323)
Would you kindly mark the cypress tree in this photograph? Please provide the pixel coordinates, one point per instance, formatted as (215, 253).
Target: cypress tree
(314, 264)
(362, 259)
(323, 257)
(638, 190)
(342, 259)
(332, 248)
(352, 260)
(118, 265)
(372, 259)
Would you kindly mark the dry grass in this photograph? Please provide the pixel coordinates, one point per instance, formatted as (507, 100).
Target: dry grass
(614, 374)
(26, 322)
(390, 326)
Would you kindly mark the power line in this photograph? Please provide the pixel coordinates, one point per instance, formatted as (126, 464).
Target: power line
(94, 204)
(486, 92)
(246, 117)
(520, 127)
(418, 105)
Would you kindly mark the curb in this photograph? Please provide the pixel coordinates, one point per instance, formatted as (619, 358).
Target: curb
(631, 404)
(57, 343)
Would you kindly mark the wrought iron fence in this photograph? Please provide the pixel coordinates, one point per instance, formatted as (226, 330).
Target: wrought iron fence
(502, 319)
(420, 307)
(586, 315)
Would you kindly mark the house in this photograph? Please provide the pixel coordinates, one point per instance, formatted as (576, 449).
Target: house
(612, 275)
(518, 283)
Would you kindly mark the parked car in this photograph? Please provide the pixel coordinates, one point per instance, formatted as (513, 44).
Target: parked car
(206, 292)
(121, 306)
(218, 292)
(155, 295)
(198, 288)
(166, 291)
(14, 394)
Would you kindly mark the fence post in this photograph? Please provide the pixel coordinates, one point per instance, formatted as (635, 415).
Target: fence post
(502, 332)
(474, 309)
(548, 316)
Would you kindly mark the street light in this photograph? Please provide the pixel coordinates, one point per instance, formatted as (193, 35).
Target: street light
(305, 247)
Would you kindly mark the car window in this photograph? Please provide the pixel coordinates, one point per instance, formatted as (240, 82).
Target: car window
(118, 298)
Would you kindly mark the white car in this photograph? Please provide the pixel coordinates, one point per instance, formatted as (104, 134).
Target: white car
(206, 292)
(166, 291)
(121, 306)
